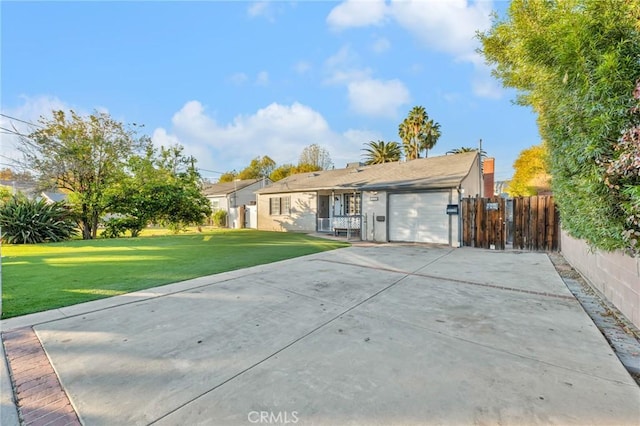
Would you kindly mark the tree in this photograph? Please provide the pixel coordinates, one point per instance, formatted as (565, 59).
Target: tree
(378, 152)
(317, 156)
(418, 133)
(531, 173)
(81, 156)
(464, 149)
(260, 167)
(575, 62)
(161, 186)
(228, 176)
(282, 172)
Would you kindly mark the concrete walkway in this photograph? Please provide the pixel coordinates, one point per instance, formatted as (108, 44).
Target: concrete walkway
(372, 335)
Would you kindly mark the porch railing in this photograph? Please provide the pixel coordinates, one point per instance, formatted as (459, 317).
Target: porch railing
(330, 224)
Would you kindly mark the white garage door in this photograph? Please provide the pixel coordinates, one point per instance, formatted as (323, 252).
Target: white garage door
(419, 217)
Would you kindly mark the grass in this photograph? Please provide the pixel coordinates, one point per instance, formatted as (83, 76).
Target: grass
(46, 276)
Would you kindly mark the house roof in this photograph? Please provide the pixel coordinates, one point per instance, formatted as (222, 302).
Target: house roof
(226, 188)
(446, 171)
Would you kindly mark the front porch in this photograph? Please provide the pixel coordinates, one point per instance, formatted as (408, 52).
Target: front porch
(339, 213)
(348, 225)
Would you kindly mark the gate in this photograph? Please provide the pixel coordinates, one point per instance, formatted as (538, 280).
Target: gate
(525, 223)
(483, 222)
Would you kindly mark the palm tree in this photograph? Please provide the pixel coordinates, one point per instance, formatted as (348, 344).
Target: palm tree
(418, 132)
(462, 149)
(432, 134)
(379, 152)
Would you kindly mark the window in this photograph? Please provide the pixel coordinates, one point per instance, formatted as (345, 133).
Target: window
(279, 206)
(215, 205)
(351, 204)
(285, 205)
(274, 206)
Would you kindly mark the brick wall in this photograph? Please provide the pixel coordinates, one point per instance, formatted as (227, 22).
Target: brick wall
(615, 274)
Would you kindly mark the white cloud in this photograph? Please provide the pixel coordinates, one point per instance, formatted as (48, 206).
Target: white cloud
(238, 78)
(302, 67)
(30, 111)
(367, 95)
(263, 78)
(357, 13)
(279, 131)
(380, 45)
(260, 9)
(343, 67)
(378, 98)
(448, 26)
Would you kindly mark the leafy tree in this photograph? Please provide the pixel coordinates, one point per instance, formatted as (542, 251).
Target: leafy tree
(282, 172)
(260, 167)
(10, 174)
(161, 186)
(317, 156)
(531, 172)
(25, 221)
(228, 176)
(81, 156)
(575, 62)
(5, 193)
(418, 133)
(378, 152)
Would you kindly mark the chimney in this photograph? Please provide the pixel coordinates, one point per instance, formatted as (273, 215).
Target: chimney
(488, 169)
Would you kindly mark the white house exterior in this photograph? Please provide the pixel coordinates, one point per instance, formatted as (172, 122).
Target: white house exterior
(412, 201)
(229, 196)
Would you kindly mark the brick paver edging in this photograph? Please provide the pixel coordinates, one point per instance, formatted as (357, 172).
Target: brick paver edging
(38, 392)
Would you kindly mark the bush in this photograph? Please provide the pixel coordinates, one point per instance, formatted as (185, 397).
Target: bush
(117, 227)
(27, 221)
(220, 218)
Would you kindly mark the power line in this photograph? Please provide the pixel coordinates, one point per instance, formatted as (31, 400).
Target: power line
(11, 132)
(210, 171)
(17, 119)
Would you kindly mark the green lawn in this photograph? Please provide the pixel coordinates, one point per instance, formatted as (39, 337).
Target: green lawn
(46, 276)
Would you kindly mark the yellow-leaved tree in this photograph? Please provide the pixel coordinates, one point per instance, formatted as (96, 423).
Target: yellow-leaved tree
(531, 172)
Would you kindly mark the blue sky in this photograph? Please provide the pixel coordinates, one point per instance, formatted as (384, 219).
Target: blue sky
(231, 81)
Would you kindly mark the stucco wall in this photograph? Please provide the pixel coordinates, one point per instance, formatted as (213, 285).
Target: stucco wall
(615, 275)
(302, 218)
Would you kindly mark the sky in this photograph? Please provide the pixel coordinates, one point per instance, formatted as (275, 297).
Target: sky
(234, 80)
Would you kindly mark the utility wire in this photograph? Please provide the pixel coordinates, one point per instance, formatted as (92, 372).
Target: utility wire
(17, 119)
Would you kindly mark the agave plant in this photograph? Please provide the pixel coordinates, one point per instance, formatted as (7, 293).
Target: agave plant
(25, 221)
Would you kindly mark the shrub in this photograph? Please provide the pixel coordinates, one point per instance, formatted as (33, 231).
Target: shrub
(220, 218)
(27, 221)
(117, 227)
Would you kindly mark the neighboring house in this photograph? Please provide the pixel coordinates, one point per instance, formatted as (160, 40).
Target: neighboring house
(413, 201)
(53, 197)
(228, 196)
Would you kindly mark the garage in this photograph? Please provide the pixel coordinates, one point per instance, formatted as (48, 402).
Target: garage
(419, 217)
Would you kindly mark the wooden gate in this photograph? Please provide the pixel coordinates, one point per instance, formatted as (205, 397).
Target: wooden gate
(533, 223)
(483, 222)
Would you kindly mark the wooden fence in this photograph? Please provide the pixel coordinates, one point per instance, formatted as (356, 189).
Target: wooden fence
(533, 224)
(536, 223)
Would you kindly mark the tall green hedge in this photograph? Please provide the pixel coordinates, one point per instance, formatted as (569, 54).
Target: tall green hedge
(575, 62)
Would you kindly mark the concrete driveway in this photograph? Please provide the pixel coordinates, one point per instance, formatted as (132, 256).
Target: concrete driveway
(384, 334)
